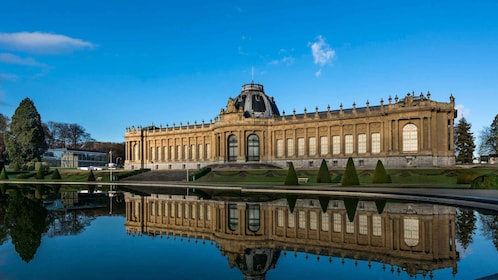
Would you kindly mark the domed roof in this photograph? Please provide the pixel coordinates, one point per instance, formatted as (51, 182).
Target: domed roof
(255, 102)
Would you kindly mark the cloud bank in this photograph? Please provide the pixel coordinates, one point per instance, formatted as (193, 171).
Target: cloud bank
(42, 43)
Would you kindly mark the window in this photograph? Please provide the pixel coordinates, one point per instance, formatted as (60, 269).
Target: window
(233, 217)
(290, 220)
(232, 148)
(376, 225)
(302, 219)
(410, 139)
(348, 144)
(363, 223)
(324, 145)
(337, 222)
(290, 147)
(313, 221)
(325, 221)
(253, 213)
(280, 218)
(312, 146)
(375, 143)
(336, 145)
(349, 226)
(411, 231)
(362, 143)
(280, 148)
(253, 148)
(300, 146)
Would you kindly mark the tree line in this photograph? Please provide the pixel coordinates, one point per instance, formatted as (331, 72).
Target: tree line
(465, 140)
(24, 138)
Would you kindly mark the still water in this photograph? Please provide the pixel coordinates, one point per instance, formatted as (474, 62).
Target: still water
(202, 235)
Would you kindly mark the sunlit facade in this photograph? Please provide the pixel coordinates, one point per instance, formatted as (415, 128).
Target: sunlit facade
(413, 131)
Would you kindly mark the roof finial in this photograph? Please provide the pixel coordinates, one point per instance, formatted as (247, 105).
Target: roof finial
(252, 75)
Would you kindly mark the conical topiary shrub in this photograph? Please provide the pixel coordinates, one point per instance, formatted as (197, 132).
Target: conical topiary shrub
(39, 173)
(380, 174)
(91, 177)
(323, 173)
(3, 175)
(56, 175)
(350, 177)
(291, 178)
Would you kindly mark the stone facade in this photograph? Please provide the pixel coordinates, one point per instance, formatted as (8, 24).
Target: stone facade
(413, 131)
(417, 238)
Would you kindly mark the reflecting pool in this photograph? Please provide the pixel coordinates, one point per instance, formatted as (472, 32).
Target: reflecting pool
(196, 234)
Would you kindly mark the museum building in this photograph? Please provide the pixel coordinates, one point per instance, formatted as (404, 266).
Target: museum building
(412, 131)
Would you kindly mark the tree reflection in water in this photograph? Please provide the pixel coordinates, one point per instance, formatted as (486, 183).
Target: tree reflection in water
(25, 221)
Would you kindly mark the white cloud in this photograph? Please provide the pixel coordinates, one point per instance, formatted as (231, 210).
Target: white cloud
(14, 59)
(322, 53)
(462, 111)
(287, 60)
(8, 77)
(318, 73)
(42, 43)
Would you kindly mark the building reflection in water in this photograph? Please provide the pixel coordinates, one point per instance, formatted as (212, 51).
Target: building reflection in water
(416, 238)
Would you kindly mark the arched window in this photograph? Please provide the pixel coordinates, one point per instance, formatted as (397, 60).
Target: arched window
(411, 231)
(253, 148)
(232, 148)
(410, 138)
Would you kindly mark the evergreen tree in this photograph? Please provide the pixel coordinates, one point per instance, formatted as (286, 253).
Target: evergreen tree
(25, 140)
(493, 135)
(380, 174)
(291, 178)
(464, 142)
(350, 177)
(323, 173)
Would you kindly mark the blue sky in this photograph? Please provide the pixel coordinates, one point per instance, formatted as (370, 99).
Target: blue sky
(108, 65)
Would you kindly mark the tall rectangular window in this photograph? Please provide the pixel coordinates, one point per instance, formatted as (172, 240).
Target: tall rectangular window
(290, 219)
(336, 145)
(280, 148)
(348, 144)
(362, 143)
(313, 221)
(280, 218)
(324, 145)
(302, 219)
(337, 222)
(349, 226)
(290, 147)
(363, 224)
(375, 143)
(376, 225)
(312, 146)
(300, 146)
(325, 221)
